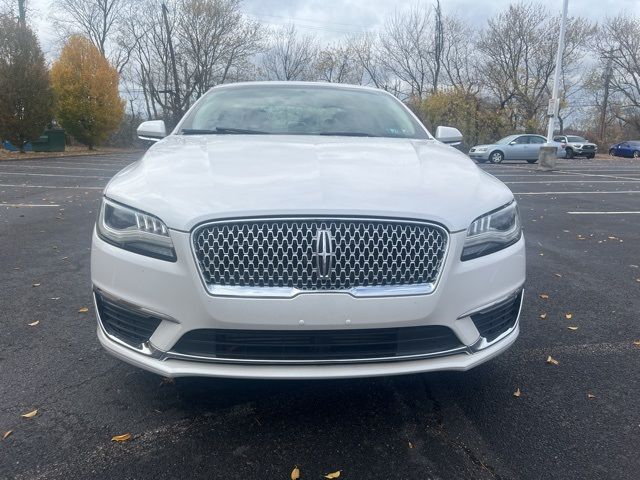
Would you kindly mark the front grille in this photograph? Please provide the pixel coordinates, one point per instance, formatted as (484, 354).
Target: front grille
(499, 318)
(131, 326)
(588, 147)
(321, 345)
(283, 253)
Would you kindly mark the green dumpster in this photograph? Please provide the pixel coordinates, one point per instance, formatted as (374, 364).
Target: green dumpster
(52, 140)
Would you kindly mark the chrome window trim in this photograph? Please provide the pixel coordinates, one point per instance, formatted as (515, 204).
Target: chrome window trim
(286, 292)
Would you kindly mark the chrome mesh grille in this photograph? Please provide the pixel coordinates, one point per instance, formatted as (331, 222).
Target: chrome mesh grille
(282, 253)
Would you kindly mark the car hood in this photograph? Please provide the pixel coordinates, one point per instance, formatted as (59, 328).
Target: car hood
(186, 180)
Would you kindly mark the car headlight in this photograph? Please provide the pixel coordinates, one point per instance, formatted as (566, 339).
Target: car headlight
(135, 231)
(481, 149)
(492, 232)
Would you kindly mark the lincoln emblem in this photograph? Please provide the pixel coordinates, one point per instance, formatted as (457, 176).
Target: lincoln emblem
(324, 253)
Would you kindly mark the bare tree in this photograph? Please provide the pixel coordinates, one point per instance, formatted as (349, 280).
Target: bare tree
(289, 55)
(104, 22)
(338, 64)
(212, 42)
(460, 59)
(518, 60)
(410, 50)
(619, 43)
(366, 53)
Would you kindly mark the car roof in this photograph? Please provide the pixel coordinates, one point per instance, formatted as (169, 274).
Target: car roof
(270, 83)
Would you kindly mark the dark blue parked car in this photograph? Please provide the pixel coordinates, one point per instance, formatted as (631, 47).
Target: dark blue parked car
(626, 149)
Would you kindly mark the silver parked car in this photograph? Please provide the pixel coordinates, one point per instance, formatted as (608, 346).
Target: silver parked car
(514, 147)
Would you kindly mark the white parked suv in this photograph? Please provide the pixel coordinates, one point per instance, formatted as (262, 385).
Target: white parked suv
(305, 230)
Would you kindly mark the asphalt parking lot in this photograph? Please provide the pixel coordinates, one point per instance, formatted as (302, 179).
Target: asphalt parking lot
(577, 419)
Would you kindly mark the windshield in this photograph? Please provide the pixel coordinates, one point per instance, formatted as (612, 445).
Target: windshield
(573, 139)
(300, 110)
(505, 140)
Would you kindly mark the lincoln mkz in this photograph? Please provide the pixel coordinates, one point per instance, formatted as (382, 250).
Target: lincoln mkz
(305, 230)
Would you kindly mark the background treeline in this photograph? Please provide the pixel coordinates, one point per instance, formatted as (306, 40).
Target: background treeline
(488, 81)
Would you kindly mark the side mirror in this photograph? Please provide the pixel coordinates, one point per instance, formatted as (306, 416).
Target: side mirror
(512, 143)
(449, 135)
(152, 130)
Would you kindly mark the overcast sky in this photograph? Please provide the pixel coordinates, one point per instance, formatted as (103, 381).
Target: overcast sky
(331, 19)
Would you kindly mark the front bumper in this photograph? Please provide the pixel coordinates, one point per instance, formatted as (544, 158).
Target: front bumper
(175, 293)
(480, 155)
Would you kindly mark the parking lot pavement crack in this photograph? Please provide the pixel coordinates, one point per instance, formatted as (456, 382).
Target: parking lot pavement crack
(444, 434)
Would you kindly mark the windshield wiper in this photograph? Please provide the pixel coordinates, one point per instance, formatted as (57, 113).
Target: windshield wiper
(347, 134)
(221, 130)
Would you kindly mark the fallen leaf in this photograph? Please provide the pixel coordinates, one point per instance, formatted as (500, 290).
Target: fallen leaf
(638, 280)
(572, 328)
(36, 284)
(542, 254)
(295, 473)
(568, 316)
(517, 393)
(83, 310)
(612, 238)
(7, 434)
(544, 296)
(55, 298)
(121, 438)
(543, 316)
(30, 414)
(552, 361)
(636, 343)
(558, 275)
(590, 395)
(33, 324)
(333, 475)
(64, 258)
(410, 445)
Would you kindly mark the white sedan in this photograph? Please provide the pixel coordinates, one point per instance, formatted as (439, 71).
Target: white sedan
(302, 230)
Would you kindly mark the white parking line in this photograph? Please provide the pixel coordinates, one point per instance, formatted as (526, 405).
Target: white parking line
(603, 213)
(62, 168)
(595, 175)
(15, 205)
(54, 175)
(49, 186)
(588, 182)
(577, 193)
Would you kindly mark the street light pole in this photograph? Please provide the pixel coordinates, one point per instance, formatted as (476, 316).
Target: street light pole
(555, 101)
(548, 153)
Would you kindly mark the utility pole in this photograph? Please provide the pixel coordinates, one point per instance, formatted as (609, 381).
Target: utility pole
(22, 12)
(548, 154)
(176, 90)
(605, 100)
(554, 104)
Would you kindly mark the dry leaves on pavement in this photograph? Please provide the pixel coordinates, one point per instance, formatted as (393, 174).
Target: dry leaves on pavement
(30, 414)
(121, 438)
(636, 343)
(543, 316)
(517, 393)
(590, 395)
(83, 310)
(568, 316)
(7, 434)
(552, 361)
(36, 284)
(333, 475)
(295, 473)
(544, 296)
(572, 328)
